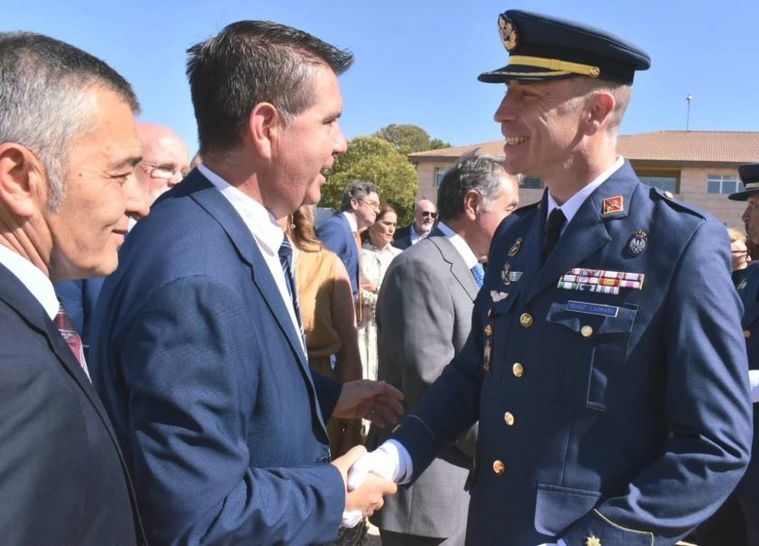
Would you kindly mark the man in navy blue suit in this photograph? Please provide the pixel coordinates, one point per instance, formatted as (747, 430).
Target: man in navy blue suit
(605, 362)
(68, 148)
(358, 211)
(200, 352)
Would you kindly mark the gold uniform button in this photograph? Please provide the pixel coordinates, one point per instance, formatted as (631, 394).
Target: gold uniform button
(525, 320)
(499, 467)
(509, 419)
(517, 369)
(488, 330)
(747, 333)
(586, 331)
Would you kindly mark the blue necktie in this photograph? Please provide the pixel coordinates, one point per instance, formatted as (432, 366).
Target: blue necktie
(478, 272)
(286, 259)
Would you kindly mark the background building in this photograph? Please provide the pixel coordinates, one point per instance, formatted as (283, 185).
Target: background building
(698, 167)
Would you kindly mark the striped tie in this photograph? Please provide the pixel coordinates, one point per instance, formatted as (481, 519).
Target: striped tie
(62, 321)
(286, 259)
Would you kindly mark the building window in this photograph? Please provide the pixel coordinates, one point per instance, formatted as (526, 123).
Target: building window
(439, 174)
(662, 181)
(723, 183)
(532, 183)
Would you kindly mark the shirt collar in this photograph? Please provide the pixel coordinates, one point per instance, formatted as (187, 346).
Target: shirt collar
(573, 204)
(461, 246)
(32, 278)
(259, 221)
(351, 220)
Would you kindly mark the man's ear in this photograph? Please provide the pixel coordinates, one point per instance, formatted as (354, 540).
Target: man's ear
(265, 125)
(23, 180)
(354, 203)
(601, 108)
(472, 204)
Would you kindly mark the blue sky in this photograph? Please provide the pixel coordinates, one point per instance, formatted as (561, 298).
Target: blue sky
(417, 60)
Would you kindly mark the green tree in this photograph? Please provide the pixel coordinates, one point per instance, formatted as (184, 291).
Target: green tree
(376, 160)
(407, 138)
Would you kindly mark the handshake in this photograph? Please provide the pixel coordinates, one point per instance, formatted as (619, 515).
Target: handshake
(368, 477)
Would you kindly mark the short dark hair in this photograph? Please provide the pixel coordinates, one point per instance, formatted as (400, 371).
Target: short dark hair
(42, 85)
(250, 62)
(358, 189)
(472, 172)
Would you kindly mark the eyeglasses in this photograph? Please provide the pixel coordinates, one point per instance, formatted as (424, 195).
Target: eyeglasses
(164, 172)
(372, 204)
(740, 252)
(426, 213)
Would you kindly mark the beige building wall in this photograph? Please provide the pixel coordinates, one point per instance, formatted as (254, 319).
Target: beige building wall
(693, 190)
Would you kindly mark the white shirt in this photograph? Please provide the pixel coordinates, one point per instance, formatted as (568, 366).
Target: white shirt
(267, 234)
(573, 204)
(351, 220)
(415, 236)
(461, 246)
(32, 278)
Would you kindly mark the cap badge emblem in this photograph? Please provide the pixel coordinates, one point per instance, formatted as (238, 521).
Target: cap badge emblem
(509, 35)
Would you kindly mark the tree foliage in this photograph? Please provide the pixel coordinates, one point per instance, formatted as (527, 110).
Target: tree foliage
(408, 139)
(375, 160)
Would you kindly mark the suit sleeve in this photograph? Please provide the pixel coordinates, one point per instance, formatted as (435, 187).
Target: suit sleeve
(706, 404)
(187, 358)
(333, 237)
(437, 422)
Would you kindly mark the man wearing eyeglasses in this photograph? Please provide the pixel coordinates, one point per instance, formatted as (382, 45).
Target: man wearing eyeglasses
(425, 214)
(165, 162)
(341, 233)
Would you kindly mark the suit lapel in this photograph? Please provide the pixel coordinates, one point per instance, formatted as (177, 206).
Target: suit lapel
(458, 268)
(587, 232)
(210, 199)
(17, 296)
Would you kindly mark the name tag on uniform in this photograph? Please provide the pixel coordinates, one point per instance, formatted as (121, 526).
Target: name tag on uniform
(592, 308)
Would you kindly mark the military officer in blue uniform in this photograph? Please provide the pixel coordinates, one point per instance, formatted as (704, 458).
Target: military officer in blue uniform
(737, 521)
(606, 363)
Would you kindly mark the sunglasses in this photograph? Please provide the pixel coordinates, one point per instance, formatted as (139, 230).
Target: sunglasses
(432, 215)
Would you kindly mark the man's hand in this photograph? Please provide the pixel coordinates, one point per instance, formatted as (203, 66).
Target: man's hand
(367, 498)
(373, 400)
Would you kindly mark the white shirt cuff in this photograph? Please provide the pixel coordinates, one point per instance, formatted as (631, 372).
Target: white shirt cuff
(404, 468)
(753, 379)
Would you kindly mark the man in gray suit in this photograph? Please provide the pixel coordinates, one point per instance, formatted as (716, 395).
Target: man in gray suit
(424, 314)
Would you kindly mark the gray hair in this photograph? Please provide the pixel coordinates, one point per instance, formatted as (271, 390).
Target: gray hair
(359, 189)
(472, 172)
(43, 83)
(250, 62)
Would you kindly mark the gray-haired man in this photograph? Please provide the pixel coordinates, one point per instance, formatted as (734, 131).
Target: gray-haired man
(424, 315)
(68, 148)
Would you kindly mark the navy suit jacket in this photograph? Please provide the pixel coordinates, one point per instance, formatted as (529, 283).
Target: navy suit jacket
(624, 417)
(210, 393)
(79, 299)
(62, 477)
(336, 234)
(402, 238)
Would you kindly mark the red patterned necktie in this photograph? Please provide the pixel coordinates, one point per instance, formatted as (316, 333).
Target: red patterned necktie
(62, 321)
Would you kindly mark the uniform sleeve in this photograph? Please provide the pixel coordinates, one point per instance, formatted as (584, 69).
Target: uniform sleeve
(187, 359)
(707, 409)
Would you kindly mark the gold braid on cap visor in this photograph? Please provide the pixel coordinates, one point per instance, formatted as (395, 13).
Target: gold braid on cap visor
(558, 68)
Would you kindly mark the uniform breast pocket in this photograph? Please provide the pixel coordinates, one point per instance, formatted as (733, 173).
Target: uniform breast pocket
(595, 358)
